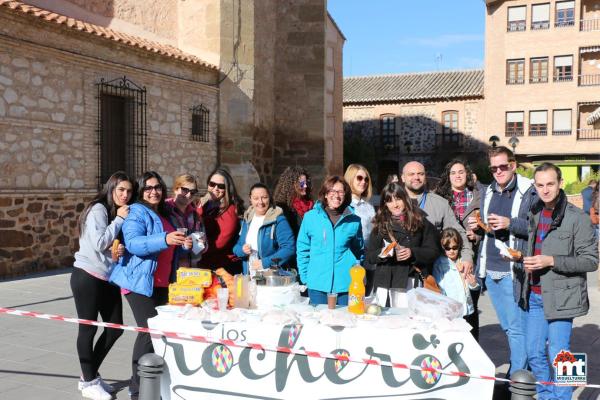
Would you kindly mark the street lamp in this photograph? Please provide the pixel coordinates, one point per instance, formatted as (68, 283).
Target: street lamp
(514, 142)
(493, 140)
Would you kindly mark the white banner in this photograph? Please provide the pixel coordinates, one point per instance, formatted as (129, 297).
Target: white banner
(207, 371)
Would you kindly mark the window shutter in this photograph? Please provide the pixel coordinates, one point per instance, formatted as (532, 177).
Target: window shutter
(517, 13)
(538, 117)
(563, 61)
(562, 120)
(563, 5)
(540, 12)
(514, 116)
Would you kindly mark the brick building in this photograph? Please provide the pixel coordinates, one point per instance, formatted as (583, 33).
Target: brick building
(539, 90)
(91, 86)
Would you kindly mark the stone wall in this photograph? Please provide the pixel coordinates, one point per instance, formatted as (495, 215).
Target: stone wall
(49, 152)
(38, 230)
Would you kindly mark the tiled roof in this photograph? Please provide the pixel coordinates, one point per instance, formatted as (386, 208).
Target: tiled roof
(78, 25)
(413, 87)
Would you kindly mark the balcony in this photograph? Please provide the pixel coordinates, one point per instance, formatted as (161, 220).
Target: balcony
(538, 79)
(538, 25)
(563, 23)
(538, 132)
(562, 133)
(516, 26)
(588, 25)
(563, 78)
(588, 134)
(514, 132)
(589, 80)
(515, 81)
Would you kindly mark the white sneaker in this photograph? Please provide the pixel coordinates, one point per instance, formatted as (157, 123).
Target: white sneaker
(93, 390)
(106, 386)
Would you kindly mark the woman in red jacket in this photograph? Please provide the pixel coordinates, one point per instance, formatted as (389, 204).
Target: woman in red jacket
(220, 208)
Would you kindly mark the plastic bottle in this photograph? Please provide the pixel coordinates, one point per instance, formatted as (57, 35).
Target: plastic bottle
(356, 291)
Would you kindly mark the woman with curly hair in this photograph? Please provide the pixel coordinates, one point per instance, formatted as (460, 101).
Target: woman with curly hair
(463, 194)
(292, 194)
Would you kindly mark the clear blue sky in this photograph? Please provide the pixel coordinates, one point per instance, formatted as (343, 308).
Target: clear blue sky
(395, 36)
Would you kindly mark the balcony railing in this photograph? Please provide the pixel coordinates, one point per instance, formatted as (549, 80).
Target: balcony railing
(586, 25)
(514, 132)
(538, 79)
(588, 134)
(562, 23)
(589, 80)
(563, 78)
(515, 81)
(561, 133)
(538, 132)
(540, 25)
(516, 26)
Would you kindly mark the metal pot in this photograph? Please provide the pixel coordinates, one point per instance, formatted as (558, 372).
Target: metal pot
(273, 277)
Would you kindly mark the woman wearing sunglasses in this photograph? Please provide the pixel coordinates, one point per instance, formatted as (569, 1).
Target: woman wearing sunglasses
(400, 220)
(183, 216)
(220, 209)
(144, 270)
(292, 194)
(100, 224)
(359, 180)
(329, 243)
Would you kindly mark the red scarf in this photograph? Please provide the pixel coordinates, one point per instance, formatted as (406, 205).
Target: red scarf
(302, 206)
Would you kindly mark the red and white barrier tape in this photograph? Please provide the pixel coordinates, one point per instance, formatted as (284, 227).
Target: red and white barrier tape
(257, 346)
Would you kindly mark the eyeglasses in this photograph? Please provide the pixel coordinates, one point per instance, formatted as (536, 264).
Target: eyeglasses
(338, 192)
(149, 189)
(502, 167)
(185, 191)
(360, 178)
(212, 184)
(450, 248)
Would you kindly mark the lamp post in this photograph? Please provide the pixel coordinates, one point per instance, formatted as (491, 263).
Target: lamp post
(514, 142)
(494, 140)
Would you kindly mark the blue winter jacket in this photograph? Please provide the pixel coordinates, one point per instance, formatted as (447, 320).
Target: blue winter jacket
(275, 238)
(325, 253)
(144, 239)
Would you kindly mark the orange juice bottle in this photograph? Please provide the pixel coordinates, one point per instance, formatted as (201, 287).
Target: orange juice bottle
(356, 291)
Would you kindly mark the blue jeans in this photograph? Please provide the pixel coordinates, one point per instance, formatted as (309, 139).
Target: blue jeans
(557, 333)
(318, 297)
(512, 319)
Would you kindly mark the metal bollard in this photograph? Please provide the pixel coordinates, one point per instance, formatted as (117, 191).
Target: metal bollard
(150, 369)
(523, 385)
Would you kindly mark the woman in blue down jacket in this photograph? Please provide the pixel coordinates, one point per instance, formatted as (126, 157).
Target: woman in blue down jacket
(265, 233)
(329, 243)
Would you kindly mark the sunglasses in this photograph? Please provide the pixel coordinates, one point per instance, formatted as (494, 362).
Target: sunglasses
(303, 184)
(185, 191)
(450, 248)
(157, 188)
(502, 167)
(212, 184)
(360, 178)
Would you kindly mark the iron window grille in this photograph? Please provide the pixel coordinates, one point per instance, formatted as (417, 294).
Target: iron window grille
(121, 130)
(200, 123)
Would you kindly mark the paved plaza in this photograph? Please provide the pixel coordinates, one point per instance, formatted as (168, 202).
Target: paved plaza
(38, 358)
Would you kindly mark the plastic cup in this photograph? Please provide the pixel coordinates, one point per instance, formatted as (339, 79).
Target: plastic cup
(222, 298)
(331, 300)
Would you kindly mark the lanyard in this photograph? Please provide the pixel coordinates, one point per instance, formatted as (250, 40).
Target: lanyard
(422, 202)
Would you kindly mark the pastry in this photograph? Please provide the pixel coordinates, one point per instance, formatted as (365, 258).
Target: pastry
(480, 222)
